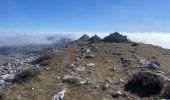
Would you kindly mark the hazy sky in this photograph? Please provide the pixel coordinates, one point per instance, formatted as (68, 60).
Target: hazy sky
(85, 15)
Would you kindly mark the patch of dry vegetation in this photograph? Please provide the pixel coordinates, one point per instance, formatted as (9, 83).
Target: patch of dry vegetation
(144, 84)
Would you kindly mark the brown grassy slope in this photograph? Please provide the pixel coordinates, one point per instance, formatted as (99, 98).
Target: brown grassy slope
(44, 86)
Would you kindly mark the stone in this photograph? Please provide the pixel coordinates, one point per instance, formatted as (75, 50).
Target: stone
(89, 55)
(59, 95)
(86, 81)
(121, 81)
(114, 69)
(117, 94)
(66, 78)
(105, 85)
(77, 67)
(91, 65)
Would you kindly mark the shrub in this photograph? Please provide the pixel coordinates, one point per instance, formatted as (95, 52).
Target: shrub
(23, 75)
(144, 84)
(44, 59)
(166, 93)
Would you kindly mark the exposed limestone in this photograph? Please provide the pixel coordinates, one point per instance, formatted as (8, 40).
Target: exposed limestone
(144, 62)
(60, 95)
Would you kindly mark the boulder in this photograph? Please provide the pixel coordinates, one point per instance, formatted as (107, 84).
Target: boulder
(117, 94)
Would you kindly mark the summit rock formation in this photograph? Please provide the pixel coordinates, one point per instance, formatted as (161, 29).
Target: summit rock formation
(116, 37)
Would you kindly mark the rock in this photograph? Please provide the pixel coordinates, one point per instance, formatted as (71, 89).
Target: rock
(116, 37)
(95, 39)
(108, 80)
(90, 55)
(66, 78)
(92, 45)
(117, 94)
(125, 62)
(2, 82)
(59, 95)
(114, 69)
(121, 81)
(77, 67)
(84, 38)
(91, 65)
(7, 79)
(86, 81)
(163, 77)
(105, 85)
(145, 63)
(47, 68)
(86, 53)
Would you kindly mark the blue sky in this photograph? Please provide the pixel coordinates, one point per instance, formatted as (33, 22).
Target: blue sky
(85, 15)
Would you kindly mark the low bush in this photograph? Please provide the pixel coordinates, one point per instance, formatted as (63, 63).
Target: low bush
(44, 59)
(166, 93)
(144, 84)
(24, 75)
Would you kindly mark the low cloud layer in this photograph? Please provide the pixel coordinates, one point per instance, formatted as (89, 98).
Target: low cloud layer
(160, 39)
(21, 39)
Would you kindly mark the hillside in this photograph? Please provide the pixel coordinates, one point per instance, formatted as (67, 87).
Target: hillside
(98, 70)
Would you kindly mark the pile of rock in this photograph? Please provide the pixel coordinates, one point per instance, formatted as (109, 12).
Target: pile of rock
(84, 38)
(116, 37)
(86, 53)
(95, 39)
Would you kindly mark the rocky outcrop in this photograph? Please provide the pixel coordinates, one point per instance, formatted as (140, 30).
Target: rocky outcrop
(84, 38)
(143, 62)
(95, 39)
(116, 37)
